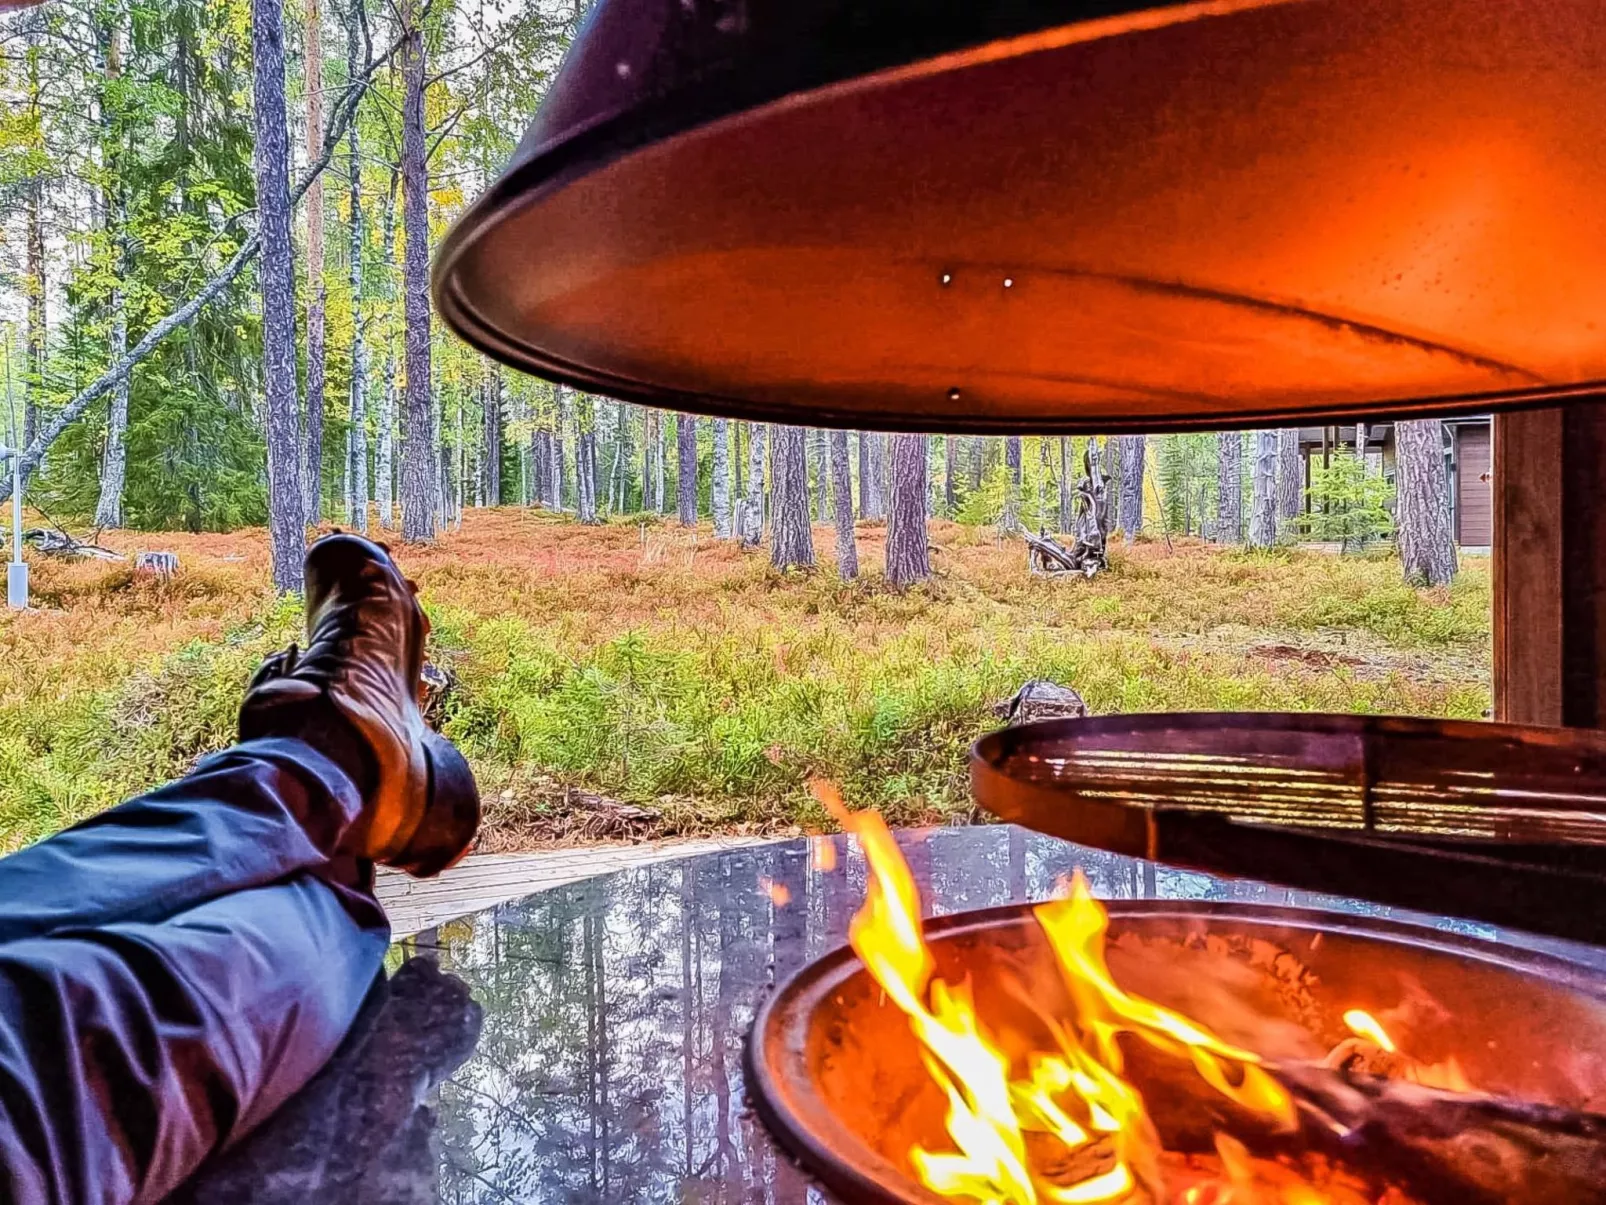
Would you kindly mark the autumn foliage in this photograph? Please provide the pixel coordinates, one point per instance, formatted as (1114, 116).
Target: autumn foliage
(654, 665)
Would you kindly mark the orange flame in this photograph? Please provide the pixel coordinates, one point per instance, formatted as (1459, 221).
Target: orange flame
(1075, 1094)
(1447, 1075)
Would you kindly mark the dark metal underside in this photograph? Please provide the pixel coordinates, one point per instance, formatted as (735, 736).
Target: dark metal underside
(1206, 214)
(1500, 823)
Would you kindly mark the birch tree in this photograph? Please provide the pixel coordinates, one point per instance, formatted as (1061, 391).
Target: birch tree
(720, 486)
(1263, 491)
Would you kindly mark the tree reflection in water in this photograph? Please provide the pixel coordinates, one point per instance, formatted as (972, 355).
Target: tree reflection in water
(609, 1066)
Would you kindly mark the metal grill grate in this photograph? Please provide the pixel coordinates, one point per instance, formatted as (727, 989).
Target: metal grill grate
(1495, 822)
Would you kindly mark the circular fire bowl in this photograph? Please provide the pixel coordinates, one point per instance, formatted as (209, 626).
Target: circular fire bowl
(835, 1072)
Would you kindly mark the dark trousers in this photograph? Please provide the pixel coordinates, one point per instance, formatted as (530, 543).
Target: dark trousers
(174, 969)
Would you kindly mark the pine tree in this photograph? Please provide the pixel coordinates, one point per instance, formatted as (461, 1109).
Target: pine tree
(791, 537)
(1229, 487)
(908, 550)
(1427, 547)
(847, 553)
(317, 290)
(686, 470)
(1263, 491)
(420, 465)
(1132, 458)
(286, 522)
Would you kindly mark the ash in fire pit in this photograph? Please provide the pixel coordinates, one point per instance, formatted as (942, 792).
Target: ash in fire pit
(1202, 1056)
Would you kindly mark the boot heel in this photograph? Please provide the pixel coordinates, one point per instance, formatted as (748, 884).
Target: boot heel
(451, 815)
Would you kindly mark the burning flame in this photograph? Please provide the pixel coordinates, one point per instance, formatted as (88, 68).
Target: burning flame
(1073, 1098)
(1364, 1025)
(1447, 1075)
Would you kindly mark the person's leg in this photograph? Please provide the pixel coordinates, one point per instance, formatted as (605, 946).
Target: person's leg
(131, 1052)
(246, 817)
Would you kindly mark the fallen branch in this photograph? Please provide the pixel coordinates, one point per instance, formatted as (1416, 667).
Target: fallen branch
(339, 118)
(59, 543)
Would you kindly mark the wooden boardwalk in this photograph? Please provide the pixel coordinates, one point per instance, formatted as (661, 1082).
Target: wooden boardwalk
(483, 880)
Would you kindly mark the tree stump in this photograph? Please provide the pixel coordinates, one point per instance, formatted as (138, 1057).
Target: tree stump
(159, 565)
(440, 684)
(1040, 699)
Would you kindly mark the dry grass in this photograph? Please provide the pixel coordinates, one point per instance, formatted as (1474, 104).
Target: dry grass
(653, 665)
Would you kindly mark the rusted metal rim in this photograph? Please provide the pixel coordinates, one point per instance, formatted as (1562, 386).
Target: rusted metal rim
(781, 1084)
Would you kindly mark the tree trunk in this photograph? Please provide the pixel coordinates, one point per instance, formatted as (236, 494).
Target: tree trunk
(359, 342)
(908, 552)
(1133, 448)
(820, 458)
(560, 463)
(35, 284)
(585, 462)
(791, 538)
(686, 468)
(950, 475)
(720, 494)
(1067, 503)
(1422, 507)
(847, 553)
(1290, 482)
(978, 461)
(756, 439)
(36, 309)
(114, 462)
(1229, 487)
(660, 463)
(385, 453)
(493, 439)
(1013, 465)
(317, 290)
(1263, 492)
(286, 522)
(419, 471)
(872, 475)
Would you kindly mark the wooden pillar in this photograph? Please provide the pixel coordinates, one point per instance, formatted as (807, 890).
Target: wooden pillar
(1550, 566)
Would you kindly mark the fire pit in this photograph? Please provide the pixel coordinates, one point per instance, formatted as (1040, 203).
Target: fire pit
(1263, 1014)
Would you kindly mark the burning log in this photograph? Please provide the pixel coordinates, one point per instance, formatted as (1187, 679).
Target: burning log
(1453, 1147)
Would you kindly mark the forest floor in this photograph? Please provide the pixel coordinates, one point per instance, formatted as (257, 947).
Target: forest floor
(649, 666)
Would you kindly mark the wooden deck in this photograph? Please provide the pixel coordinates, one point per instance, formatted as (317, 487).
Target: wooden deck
(484, 880)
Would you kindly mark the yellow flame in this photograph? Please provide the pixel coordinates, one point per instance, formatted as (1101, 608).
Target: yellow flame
(1074, 1094)
(1364, 1025)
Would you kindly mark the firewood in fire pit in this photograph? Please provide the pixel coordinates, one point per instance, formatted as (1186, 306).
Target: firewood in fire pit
(1452, 1147)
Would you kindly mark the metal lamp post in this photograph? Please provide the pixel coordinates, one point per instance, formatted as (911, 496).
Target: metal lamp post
(17, 570)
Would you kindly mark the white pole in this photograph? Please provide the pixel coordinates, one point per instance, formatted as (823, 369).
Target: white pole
(17, 571)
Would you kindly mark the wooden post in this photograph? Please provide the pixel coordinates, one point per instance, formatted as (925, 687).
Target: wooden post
(1550, 566)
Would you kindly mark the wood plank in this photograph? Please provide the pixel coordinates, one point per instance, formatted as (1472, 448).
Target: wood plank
(483, 881)
(1527, 567)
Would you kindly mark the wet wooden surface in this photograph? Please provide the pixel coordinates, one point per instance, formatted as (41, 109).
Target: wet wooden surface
(484, 880)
